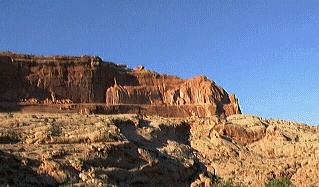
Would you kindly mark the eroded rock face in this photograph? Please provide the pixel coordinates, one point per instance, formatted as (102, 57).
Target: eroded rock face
(81, 79)
(47, 149)
(97, 150)
(251, 150)
(88, 79)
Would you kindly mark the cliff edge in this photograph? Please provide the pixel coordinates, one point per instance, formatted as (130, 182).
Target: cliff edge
(106, 87)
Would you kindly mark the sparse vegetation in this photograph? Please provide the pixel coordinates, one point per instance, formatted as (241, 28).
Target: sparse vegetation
(55, 130)
(9, 135)
(283, 182)
(106, 143)
(228, 183)
(10, 115)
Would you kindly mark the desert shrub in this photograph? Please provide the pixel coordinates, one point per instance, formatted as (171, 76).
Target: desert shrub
(9, 135)
(25, 124)
(34, 117)
(55, 130)
(228, 183)
(283, 182)
(10, 115)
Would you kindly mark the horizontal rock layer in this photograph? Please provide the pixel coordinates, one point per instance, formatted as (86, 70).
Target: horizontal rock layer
(88, 79)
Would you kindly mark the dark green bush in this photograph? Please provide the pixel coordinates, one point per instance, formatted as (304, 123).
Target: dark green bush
(228, 183)
(283, 182)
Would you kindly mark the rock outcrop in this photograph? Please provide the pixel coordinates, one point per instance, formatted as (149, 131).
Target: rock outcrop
(117, 89)
(250, 150)
(42, 149)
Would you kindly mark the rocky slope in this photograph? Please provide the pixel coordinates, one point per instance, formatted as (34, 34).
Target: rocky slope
(205, 142)
(116, 89)
(43, 149)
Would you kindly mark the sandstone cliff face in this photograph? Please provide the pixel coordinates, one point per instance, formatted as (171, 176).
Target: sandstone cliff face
(79, 79)
(88, 79)
(164, 90)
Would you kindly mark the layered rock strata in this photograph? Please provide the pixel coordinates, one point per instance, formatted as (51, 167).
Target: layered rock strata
(89, 79)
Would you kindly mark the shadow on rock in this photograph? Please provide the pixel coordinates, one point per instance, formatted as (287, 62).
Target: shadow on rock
(14, 171)
(160, 157)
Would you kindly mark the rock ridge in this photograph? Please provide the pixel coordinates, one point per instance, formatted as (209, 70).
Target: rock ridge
(50, 149)
(64, 79)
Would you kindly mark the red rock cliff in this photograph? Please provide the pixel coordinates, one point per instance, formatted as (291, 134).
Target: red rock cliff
(88, 79)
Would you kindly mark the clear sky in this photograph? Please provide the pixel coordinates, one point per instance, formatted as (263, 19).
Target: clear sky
(264, 51)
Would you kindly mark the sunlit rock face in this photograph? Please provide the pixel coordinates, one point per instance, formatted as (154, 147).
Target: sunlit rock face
(196, 96)
(88, 79)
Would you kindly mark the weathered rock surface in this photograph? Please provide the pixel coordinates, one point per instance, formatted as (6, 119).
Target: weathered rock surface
(209, 144)
(70, 149)
(91, 150)
(88, 79)
(251, 150)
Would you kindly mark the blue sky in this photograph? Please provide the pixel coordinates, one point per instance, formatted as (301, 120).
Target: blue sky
(264, 51)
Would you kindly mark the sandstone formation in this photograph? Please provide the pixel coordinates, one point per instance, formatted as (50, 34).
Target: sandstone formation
(112, 88)
(206, 143)
(70, 149)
